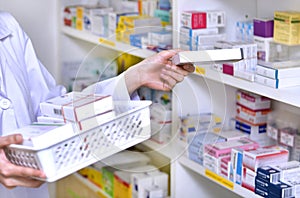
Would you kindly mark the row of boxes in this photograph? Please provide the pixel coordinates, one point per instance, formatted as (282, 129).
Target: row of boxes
(128, 25)
(284, 27)
(192, 124)
(280, 180)
(109, 23)
(243, 69)
(159, 40)
(252, 114)
(128, 174)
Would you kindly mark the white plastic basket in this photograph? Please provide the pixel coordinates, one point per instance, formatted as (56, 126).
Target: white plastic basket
(130, 127)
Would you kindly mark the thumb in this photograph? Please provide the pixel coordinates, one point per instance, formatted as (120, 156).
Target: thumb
(10, 139)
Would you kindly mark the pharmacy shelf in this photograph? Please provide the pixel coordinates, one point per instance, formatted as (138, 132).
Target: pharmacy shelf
(238, 189)
(175, 151)
(290, 95)
(107, 42)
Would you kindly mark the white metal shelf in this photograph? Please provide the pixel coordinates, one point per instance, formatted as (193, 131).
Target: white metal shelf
(110, 43)
(290, 95)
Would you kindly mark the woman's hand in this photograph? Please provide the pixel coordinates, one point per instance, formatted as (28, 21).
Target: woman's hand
(12, 175)
(157, 72)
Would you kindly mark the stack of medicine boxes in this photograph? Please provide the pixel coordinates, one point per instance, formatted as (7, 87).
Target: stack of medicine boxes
(200, 29)
(251, 116)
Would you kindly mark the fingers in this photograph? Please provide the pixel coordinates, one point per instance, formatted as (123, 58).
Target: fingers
(13, 182)
(12, 170)
(168, 82)
(172, 74)
(10, 139)
(177, 76)
(171, 77)
(179, 69)
(12, 175)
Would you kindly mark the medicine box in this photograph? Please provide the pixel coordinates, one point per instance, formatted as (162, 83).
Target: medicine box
(122, 179)
(268, 174)
(263, 27)
(268, 50)
(252, 101)
(256, 117)
(262, 156)
(249, 128)
(197, 142)
(261, 184)
(143, 181)
(139, 40)
(288, 136)
(287, 27)
(289, 171)
(279, 69)
(277, 83)
(236, 159)
(261, 192)
(161, 124)
(281, 190)
(163, 37)
(232, 135)
(202, 19)
(248, 180)
(113, 20)
(225, 167)
(244, 30)
(193, 33)
(212, 163)
(199, 122)
(220, 149)
(76, 106)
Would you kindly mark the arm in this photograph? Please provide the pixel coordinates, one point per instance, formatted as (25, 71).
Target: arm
(156, 72)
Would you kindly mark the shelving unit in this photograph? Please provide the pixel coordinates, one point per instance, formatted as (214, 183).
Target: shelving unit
(212, 91)
(107, 42)
(208, 92)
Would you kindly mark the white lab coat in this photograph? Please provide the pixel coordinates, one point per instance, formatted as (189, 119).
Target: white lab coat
(25, 83)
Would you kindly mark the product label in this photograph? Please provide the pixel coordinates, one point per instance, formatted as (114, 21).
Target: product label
(219, 179)
(107, 42)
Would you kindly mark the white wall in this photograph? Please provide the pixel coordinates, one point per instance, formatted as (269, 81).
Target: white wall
(40, 21)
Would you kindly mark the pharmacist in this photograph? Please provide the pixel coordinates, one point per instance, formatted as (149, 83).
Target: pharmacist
(24, 83)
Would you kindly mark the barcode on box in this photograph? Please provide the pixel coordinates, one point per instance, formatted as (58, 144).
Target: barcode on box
(57, 111)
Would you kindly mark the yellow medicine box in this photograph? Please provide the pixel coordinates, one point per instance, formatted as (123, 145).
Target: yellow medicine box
(287, 27)
(79, 12)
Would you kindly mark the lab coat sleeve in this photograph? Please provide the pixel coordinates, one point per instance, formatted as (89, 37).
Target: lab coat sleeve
(114, 86)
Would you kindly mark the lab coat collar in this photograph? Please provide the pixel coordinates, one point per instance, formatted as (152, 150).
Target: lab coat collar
(4, 30)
